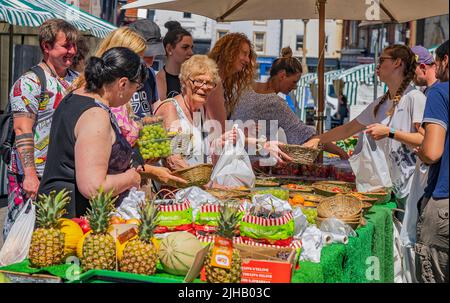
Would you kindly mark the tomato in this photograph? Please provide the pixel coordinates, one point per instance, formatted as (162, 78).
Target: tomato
(85, 227)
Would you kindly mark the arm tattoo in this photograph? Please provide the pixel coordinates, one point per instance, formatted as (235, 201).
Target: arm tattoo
(24, 115)
(27, 157)
(26, 153)
(24, 136)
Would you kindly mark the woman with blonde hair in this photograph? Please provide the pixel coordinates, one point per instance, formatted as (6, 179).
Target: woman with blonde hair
(127, 37)
(185, 113)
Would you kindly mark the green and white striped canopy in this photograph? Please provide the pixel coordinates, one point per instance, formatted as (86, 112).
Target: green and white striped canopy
(16, 13)
(34, 12)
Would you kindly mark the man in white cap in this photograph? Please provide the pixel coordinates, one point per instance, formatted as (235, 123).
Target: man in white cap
(143, 99)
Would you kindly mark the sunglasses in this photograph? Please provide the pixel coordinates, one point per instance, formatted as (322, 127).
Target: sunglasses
(382, 59)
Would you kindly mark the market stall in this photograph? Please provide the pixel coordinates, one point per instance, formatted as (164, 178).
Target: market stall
(299, 196)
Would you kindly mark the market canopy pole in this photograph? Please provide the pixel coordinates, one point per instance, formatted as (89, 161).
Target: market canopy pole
(321, 66)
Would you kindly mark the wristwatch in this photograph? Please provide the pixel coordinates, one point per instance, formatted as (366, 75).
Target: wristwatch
(391, 133)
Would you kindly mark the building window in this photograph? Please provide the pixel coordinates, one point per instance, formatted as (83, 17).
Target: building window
(187, 15)
(221, 33)
(260, 22)
(299, 42)
(151, 14)
(259, 40)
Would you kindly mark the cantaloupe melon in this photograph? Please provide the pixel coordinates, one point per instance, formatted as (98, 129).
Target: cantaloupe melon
(72, 235)
(177, 252)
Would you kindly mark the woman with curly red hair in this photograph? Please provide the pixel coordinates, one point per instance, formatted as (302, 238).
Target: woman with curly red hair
(236, 61)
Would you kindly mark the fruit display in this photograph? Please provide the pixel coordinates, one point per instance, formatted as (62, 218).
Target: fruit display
(177, 252)
(296, 200)
(297, 187)
(97, 248)
(72, 234)
(154, 142)
(310, 213)
(47, 242)
(83, 223)
(315, 171)
(140, 256)
(282, 194)
(229, 270)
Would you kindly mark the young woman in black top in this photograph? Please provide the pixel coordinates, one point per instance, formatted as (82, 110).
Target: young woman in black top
(87, 150)
(179, 45)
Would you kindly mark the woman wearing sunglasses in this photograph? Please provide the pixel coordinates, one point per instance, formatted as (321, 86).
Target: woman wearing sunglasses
(393, 119)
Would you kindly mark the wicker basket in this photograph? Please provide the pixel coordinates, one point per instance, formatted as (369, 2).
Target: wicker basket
(305, 189)
(325, 189)
(197, 175)
(300, 154)
(227, 194)
(381, 196)
(340, 206)
(342, 184)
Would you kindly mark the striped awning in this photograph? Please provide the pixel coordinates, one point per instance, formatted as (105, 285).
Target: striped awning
(38, 11)
(17, 13)
(354, 77)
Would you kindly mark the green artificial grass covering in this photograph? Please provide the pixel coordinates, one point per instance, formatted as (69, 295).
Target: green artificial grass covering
(339, 263)
(24, 267)
(354, 262)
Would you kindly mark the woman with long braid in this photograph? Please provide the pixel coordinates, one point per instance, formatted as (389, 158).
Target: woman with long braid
(393, 119)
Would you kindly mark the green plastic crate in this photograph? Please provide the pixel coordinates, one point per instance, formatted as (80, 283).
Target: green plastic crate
(108, 276)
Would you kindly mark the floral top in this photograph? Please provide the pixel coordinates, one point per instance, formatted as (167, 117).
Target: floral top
(128, 127)
(25, 97)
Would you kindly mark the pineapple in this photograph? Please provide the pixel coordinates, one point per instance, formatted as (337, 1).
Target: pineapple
(228, 221)
(99, 247)
(140, 255)
(47, 242)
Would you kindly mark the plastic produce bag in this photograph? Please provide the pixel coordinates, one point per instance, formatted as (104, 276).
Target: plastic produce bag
(15, 249)
(370, 167)
(197, 197)
(269, 221)
(234, 168)
(336, 227)
(129, 208)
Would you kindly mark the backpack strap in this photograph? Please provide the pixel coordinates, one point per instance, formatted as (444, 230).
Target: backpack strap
(39, 71)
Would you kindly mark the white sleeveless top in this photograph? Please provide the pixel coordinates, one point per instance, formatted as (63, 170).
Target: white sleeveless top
(197, 146)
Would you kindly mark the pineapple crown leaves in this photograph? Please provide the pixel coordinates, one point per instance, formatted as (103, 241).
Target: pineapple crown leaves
(100, 212)
(50, 208)
(148, 212)
(229, 219)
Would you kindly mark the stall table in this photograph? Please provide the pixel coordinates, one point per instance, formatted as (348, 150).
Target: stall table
(367, 258)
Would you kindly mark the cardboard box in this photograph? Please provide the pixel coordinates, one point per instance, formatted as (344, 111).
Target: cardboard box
(262, 265)
(259, 264)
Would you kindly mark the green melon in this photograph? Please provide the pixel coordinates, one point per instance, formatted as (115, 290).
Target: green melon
(177, 252)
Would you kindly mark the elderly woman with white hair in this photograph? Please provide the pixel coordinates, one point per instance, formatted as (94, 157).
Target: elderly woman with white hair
(185, 113)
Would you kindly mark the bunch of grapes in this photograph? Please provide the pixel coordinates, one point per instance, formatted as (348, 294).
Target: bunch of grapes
(311, 214)
(154, 142)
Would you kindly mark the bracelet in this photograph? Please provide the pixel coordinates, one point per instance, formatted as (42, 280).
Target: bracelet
(391, 133)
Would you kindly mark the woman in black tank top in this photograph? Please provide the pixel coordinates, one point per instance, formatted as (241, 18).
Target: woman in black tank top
(86, 150)
(179, 45)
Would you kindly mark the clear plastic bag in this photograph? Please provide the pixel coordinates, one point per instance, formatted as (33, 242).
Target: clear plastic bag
(129, 208)
(234, 168)
(370, 166)
(16, 247)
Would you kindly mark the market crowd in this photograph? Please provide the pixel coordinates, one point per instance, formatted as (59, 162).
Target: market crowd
(77, 118)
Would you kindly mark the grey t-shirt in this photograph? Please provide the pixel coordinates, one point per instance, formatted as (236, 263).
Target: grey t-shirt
(264, 108)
